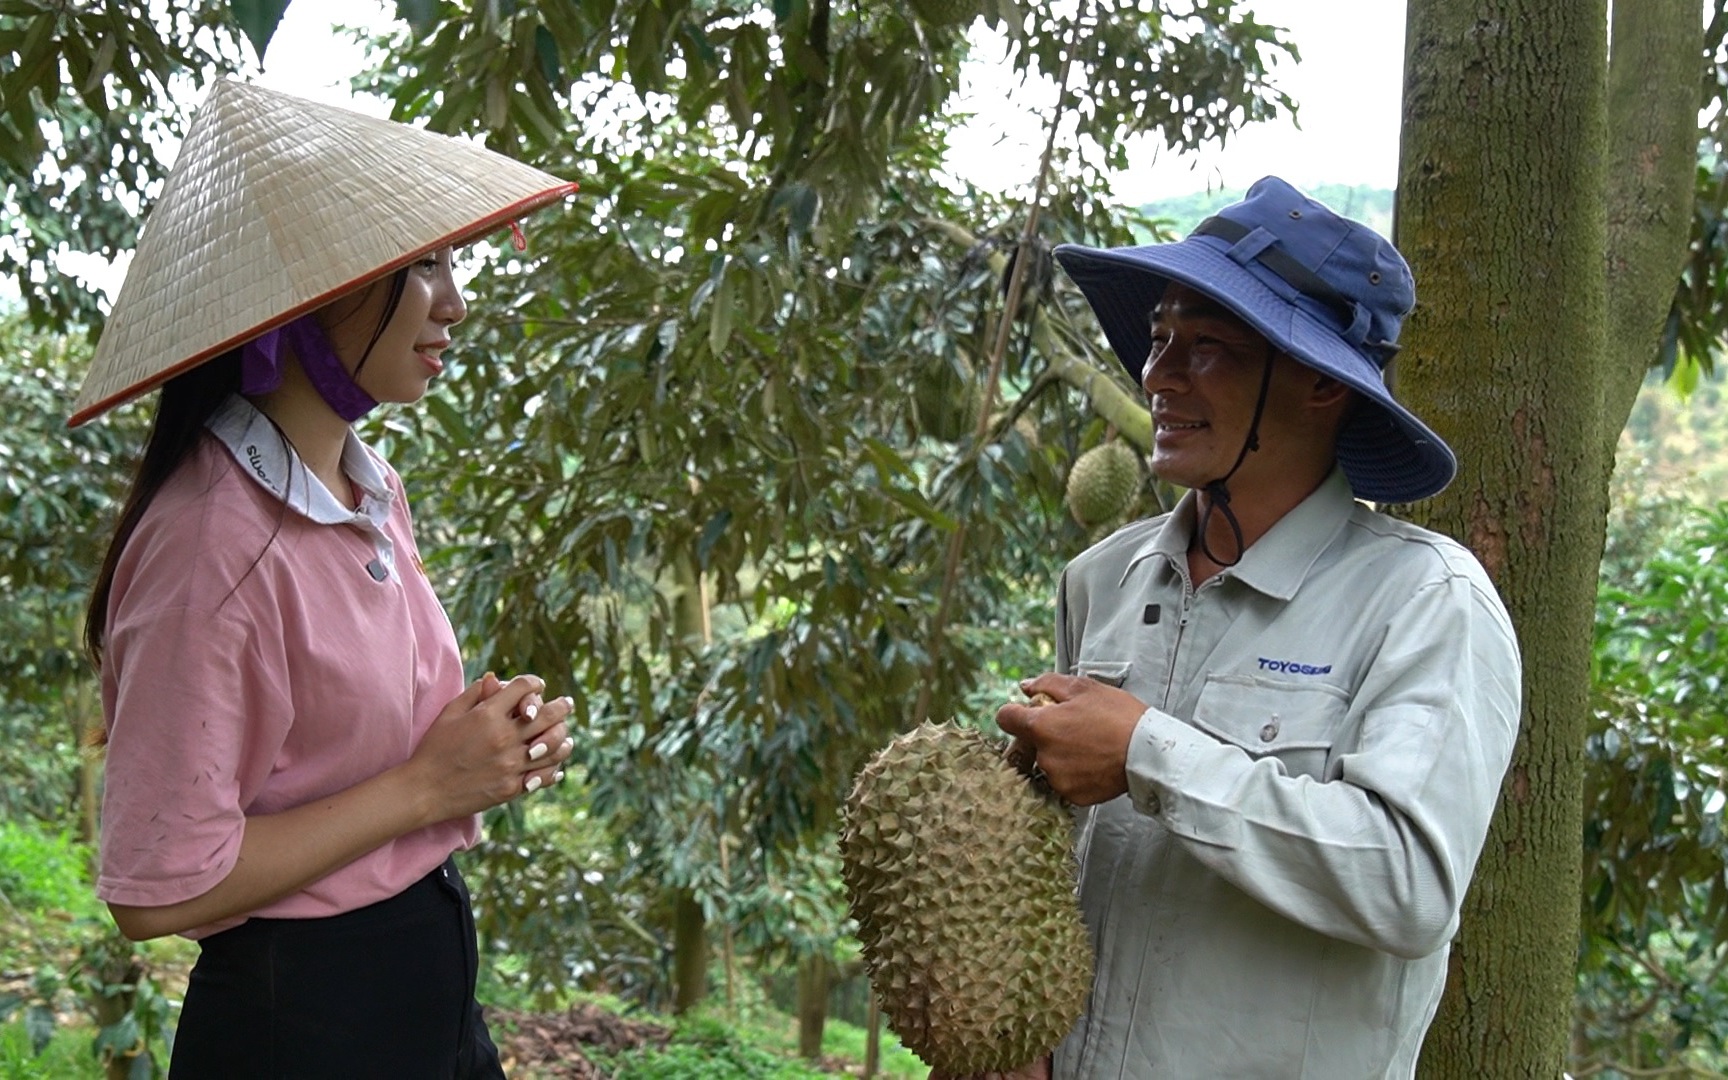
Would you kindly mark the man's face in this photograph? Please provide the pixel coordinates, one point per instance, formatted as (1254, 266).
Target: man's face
(1202, 379)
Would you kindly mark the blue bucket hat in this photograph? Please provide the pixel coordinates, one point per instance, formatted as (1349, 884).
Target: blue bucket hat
(1328, 291)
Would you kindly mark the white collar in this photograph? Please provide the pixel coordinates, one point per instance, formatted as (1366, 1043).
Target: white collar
(266, 455)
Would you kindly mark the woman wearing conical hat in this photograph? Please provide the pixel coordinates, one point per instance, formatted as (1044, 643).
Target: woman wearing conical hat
(293, 750)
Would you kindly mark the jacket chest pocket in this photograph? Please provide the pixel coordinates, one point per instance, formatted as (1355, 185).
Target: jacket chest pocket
(1298, 726)
(1109, 672)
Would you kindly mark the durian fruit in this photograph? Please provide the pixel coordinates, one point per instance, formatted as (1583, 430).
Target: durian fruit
(946, 12)
(961, 876)
(945, 400)
(1103, 484)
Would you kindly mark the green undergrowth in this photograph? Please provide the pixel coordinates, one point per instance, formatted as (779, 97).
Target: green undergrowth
(67, 1054)
(840, 1041)
(51, 926)
(760, 1047)
(704, 1050)
(750, 1042)
(61, 961)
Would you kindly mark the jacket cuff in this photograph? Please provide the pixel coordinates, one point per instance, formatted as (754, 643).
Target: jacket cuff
(1165, 757)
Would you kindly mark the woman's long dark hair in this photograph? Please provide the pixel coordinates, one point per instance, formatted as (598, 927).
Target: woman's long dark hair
(185, 403)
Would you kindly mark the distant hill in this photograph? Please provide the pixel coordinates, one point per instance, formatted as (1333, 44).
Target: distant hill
(1370, 205)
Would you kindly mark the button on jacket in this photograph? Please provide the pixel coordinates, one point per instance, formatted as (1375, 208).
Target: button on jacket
(1328, 725)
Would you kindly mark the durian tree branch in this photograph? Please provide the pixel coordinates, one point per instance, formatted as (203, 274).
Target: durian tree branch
(1653, 103)
(1063, 360)
(1126, 411)
(1004, 331)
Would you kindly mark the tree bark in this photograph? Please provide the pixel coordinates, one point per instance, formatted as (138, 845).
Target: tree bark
(1653, 102)
(813, 977)
(84, 714)
(1525, 358)
(689, 953)
(1500, 212)
(109, 965)
(690, 924)
(872, 1038)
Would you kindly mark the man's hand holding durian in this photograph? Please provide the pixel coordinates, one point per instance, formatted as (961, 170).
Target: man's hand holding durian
(1080, 740)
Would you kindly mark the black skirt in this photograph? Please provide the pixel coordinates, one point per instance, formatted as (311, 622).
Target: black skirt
(381, 992)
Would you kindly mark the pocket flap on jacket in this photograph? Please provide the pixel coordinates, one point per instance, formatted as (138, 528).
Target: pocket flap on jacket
(1264, 717)
(1109, 672)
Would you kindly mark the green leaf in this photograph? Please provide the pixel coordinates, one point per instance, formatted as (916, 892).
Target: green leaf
(103, 62)
(546, 51)
(39, 1024)
(645, 54)
(120, 1037)
(532, 113)
(497, 103)
(450, 418)
(711, 534)
(420, 15)
(258, 20)
(35, 61)
(720, 313)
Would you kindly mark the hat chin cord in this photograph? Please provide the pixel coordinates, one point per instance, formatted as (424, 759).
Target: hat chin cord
(1217, 494)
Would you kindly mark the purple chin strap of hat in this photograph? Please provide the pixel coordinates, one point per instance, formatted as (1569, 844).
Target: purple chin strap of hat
(261, 367)
(1217, 494)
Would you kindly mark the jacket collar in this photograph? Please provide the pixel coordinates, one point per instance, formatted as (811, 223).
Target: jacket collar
(1275, 564)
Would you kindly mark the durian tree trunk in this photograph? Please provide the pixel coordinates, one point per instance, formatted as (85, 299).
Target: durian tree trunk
(728, 954)
(110, 973)
(689, 952)
(689, 921)
(872, 1038)
(84, 714)
(1504, 213)
(1653, 103)
(814, 974)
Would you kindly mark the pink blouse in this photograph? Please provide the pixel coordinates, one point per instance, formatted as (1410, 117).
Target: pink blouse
(263, 653)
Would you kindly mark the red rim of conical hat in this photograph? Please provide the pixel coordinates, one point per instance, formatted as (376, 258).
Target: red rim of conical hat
(277, 205)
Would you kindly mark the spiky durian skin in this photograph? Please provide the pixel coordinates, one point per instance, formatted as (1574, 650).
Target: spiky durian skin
(1103, 484)
(961, 877)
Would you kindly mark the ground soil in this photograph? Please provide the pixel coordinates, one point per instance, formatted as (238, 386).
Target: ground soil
(554, 1046)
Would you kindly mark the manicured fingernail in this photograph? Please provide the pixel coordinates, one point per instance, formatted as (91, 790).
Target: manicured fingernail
(558, 777)
(531, 710)
(569, 702)
(533, 783)
(568, 745)
(538, 751)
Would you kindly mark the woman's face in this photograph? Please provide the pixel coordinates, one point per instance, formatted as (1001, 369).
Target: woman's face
(407, 354)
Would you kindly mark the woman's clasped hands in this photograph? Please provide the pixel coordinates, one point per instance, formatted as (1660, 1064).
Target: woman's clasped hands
(497, 740)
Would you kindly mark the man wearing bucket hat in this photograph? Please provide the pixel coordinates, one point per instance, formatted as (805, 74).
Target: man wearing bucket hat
(1288, 715)
(293, 749)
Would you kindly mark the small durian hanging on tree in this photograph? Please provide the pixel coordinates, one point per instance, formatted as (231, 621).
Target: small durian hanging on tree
(1103, 484)
(945, 399)
(960, 873)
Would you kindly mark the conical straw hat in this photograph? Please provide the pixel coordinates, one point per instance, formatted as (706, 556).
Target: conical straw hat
(276, 206)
